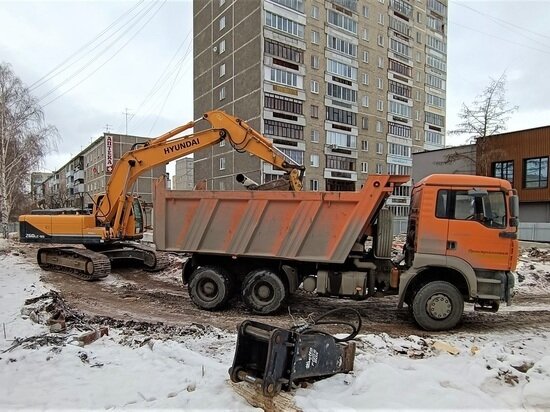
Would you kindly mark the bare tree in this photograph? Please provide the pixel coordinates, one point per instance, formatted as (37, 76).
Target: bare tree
(485, 116)
(24, 139)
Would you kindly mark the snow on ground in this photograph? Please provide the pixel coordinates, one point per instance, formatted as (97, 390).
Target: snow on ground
(133, 369)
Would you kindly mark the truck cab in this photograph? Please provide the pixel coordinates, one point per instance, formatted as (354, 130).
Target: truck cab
(461, 247)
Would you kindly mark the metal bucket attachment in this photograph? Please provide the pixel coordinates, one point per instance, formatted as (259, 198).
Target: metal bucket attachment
(273, 359)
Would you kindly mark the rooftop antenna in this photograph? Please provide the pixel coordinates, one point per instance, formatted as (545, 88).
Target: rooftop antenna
(108, 128)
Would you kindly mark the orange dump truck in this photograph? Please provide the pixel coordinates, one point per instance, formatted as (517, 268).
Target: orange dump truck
(461, 245)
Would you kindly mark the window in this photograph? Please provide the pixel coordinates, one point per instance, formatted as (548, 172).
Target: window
(315, 136)
(379, 168)
(400, 109)
(380, 62)
(222, 46)
(342, 21)
(314, 185)
(222, 23)
(314, 160)
(436, 44)
(400, 48)
(400, 88)
(284, 77)
(436, 101)
(400, 25)
(282, 103)
(366, 11)
(395, 169)
(314, 62)
(283, 24)
(341, 116)
(380, 83)
(366, 34)
(380, 105)
(365, 78)
(365, 122)
(222, 163)
(434, 81)
(314, 111)
(222, 70)
(379, 148)
(365, 101)
(364, 167)
(284, 51)
(399, 150)
(340, 163)
(296, 155)
(433, 137)
(504, 170)
(315, 86)
(315, 12)
(341, 45)
(222, 93)
(437, 7)
(365, 145)
(222, 143)
(489, 210)
(341, 69)
(222, 2)
(535, 172)
(297, 5)
(342, 93)
(341, 139)
(381, 19)
(366, 56)
(315, 37)
(400, 68)
(435, 119)
(379, 127)
(436, 63)
(288, 130)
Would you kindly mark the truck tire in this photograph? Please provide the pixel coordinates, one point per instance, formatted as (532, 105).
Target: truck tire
(263, 291)
(210, 287)
(438, 306)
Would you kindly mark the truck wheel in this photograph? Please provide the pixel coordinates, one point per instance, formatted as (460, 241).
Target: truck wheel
(209, 287)
(263, 291)
(438, 306)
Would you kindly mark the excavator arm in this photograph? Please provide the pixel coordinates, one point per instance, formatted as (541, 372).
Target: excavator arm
(114, 207)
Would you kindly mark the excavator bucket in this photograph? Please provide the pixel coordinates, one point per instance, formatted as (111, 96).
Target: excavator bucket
(274, 359)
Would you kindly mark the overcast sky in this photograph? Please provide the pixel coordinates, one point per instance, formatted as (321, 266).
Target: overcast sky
(143, 63)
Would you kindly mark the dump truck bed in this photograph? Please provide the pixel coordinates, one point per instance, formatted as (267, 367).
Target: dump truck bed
(306, 226)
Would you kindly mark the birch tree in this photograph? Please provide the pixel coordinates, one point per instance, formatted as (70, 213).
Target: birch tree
(25, 139)
(485, 116)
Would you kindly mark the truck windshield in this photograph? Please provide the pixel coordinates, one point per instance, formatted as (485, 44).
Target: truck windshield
(488, 209)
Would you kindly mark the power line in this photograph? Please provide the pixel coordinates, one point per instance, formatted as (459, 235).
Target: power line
(111, 57)
(506, 23)
(86, 65)
(51, 74)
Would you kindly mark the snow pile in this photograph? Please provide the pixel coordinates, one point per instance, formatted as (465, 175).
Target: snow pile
(532, 272)
(141, 365)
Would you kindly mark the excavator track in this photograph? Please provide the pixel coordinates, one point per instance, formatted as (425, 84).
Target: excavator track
(81, 263)
(148, 257)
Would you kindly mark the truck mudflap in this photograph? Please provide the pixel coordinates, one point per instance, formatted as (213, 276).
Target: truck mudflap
(274, 359)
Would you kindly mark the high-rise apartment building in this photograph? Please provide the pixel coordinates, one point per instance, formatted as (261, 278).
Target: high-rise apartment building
(346, 87)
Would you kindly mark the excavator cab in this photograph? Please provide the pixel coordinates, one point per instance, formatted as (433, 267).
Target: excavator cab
(137, 211)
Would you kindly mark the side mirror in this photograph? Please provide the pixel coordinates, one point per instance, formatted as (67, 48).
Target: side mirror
(514, 206)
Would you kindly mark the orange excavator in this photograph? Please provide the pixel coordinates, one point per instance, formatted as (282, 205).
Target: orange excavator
(111, 230)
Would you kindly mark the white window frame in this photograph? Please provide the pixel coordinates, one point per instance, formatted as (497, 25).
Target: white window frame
(364, 145)
(314, 136)
(314, 160)
(315, 87)
(222, 70)
(364, 167)
(222, 93)
(222, 23)
(222, 46)
(365, 101)
(315, 37)
(222, 163)
(380, 105)
(315, 12)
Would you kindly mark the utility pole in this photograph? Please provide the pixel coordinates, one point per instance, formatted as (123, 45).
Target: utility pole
(127, 114)
(108, 128)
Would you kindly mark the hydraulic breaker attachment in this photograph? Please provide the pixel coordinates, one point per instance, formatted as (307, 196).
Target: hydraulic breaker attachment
(274, 359)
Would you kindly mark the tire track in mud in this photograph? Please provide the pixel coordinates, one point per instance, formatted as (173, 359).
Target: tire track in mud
(129, 294)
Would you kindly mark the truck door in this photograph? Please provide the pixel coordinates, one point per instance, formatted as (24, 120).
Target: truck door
(477, 229)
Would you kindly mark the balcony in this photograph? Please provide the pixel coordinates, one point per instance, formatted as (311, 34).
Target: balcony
(79, 188)
(79, 175)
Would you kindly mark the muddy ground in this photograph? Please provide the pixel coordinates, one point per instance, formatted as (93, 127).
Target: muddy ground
(129, 294)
